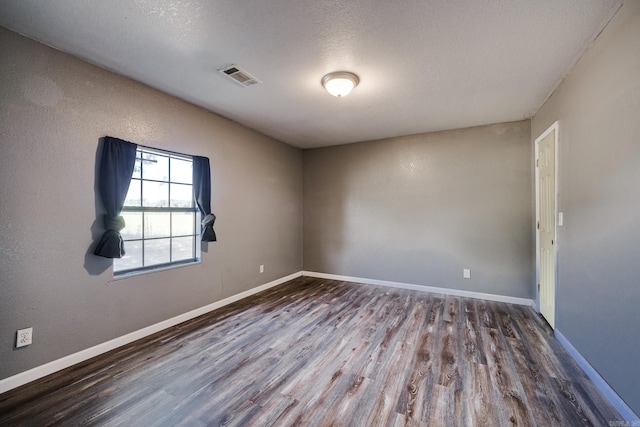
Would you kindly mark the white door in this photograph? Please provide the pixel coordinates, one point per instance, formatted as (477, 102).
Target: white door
(546, 221)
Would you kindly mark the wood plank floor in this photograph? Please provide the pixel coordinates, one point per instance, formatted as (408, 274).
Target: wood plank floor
(315, 352)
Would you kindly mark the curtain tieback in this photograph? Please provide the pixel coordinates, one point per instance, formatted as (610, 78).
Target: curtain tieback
(208, 220)
(113, 222)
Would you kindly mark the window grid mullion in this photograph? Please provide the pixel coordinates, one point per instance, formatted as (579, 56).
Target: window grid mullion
(193, 230)
(156, 209)
(159, 238)
(143, 238)
(170, 215)
(142, 204)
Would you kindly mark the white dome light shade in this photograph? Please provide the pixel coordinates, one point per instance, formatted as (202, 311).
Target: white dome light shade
(340, 83)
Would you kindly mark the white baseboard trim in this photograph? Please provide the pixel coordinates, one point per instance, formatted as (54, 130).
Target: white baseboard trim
(57, 365)
(446, 291)
(616, 401)
(72, 359)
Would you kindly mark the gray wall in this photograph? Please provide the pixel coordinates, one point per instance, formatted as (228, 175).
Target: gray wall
(53, 110)
(418, 209)
(598, 290)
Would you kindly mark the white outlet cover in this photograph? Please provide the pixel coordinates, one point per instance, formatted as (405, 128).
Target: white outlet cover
(466, 273)
(261, 268)
(24, 337)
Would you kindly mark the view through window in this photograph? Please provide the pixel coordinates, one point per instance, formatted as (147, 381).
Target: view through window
(160, 213)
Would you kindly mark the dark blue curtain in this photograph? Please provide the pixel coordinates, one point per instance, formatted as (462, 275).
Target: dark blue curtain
(116, 167)
(202, 194)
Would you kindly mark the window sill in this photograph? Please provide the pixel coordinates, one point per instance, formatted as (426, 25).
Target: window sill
(152, 270)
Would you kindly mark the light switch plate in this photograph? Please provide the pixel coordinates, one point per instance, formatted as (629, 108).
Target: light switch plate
(466, 273)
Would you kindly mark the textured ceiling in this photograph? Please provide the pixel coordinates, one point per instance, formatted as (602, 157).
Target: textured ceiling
(424, 65)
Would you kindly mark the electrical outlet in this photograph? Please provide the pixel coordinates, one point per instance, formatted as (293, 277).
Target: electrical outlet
(466, 273)
(24, 337)
(261, 268)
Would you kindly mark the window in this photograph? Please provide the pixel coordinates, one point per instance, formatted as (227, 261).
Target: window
(160, 213)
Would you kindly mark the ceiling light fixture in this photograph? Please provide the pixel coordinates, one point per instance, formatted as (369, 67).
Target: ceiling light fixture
(340, 83)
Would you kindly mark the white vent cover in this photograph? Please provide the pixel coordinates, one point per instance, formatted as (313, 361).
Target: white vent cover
(239, 75)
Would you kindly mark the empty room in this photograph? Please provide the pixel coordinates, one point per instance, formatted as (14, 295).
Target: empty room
(320, 213)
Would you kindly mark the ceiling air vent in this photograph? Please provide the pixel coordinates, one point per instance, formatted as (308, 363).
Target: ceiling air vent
(239, 75)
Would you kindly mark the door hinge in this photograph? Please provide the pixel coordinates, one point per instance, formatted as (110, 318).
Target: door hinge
(537, 162)
(538, 225)
(538, 287)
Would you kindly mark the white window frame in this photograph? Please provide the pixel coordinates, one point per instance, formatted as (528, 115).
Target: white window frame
(124, 272)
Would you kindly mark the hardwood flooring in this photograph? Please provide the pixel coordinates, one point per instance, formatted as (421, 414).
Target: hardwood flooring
(315, 352)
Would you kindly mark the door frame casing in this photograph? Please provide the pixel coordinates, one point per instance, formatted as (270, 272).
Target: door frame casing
(554, 127)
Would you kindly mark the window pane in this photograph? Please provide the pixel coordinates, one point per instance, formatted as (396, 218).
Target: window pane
(137, 167)
(181, 196)
(133, 195)
(157, 251)
(132, 257)
(158, 170)
(182, 248)
(182, 223)
(133, 225)
(181, 171)
(155, 194)
(157, 224)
